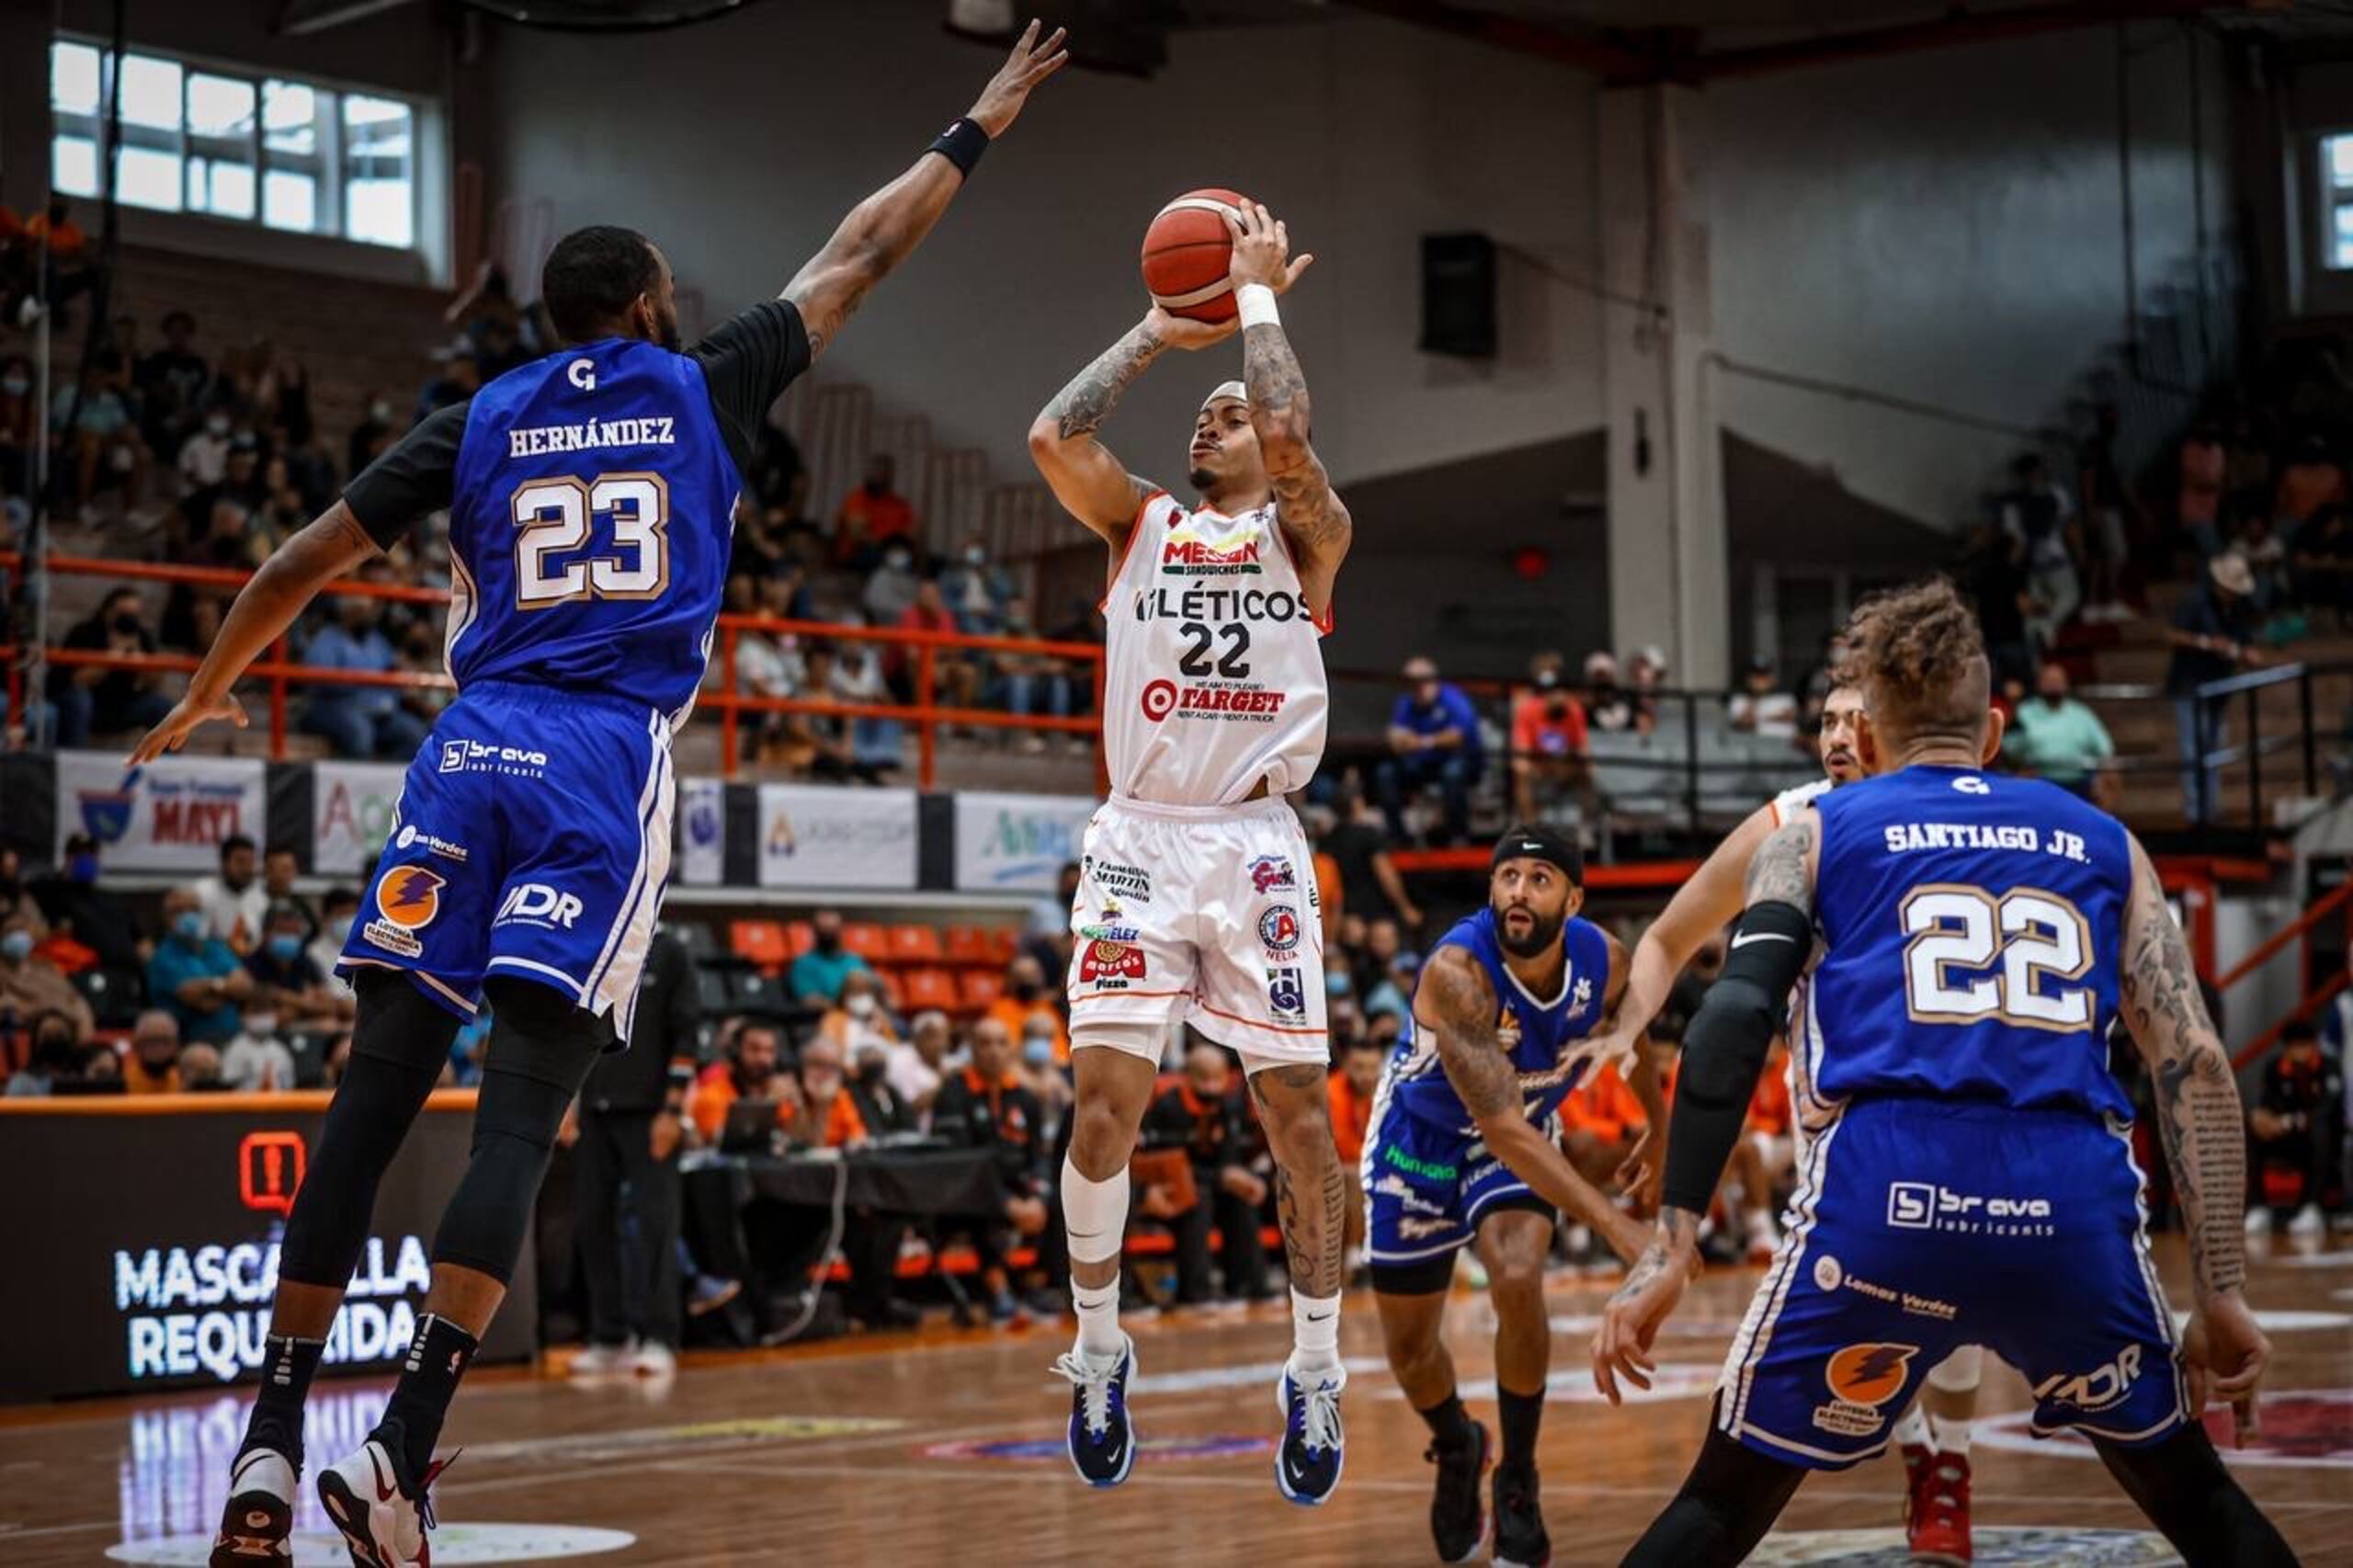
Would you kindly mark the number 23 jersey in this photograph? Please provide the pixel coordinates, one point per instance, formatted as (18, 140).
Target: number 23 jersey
(1214, 676)
(1972, 925)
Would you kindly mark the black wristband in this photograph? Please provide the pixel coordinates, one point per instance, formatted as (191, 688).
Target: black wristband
(962, 144)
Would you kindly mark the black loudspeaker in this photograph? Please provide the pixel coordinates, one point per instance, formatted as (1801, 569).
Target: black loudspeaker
(1458, 295)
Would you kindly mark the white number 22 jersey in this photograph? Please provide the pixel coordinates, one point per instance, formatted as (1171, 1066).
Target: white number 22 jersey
(1213, 678)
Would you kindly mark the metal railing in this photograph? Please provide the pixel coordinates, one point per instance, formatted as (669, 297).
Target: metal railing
(723, 696)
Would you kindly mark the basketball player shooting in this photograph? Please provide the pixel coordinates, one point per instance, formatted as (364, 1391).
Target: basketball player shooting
(1196, 899)
(591, 497)
(1979, 934)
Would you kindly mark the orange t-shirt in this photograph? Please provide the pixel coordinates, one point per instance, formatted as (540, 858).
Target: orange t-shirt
(1768, 1108)
(1604, 1107)
(884, 517)
(843, 1124)
(1351, 1116)
(1013, 1013)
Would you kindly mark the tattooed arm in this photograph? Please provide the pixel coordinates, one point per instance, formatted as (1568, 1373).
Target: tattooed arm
(884, 230)
(1455, 1004)
(1311, 515)
(1086, 478)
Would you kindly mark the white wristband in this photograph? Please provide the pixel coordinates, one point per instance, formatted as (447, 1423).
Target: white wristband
(1256, 304)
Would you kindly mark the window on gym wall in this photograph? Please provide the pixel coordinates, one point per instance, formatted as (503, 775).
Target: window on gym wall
(298, 156)
(2336, 194)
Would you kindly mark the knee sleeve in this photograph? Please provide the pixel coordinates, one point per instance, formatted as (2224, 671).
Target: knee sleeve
(540, 1049)
(1094, 1214)
(399, 1044)
(2181, 1485)
(1727, 1503)
(1961, 1371)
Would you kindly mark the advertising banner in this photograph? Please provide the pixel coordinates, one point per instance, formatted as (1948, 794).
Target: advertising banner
(1016, 843)
(821, 836)
(702, 831)
(170, 816)
(351, 813)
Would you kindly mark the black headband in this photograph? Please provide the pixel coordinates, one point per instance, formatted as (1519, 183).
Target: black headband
(1538, 842)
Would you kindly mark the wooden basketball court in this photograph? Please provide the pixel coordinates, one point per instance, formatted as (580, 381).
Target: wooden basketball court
(945, 1446)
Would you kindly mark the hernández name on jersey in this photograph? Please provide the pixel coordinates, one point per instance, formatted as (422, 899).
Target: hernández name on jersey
(531, 441)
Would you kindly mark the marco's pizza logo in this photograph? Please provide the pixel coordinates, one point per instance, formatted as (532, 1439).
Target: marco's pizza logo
(269, 1171)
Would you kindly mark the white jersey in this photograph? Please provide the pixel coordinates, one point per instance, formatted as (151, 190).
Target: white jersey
(1801, 798)
(1809, 1111)
(1213, 678)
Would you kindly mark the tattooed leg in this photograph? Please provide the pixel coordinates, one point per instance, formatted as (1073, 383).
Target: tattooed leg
(1311, 1189)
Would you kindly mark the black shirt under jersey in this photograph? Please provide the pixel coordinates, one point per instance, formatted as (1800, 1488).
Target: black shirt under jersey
(747, 361)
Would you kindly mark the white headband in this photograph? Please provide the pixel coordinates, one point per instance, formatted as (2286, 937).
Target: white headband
(1233, 390)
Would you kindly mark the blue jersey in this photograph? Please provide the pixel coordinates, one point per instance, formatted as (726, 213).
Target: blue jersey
(589, 539)
(1542, 1035)
(1971, 925)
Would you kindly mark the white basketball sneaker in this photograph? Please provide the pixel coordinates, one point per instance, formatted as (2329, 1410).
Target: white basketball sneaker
(257, 1523)
(382, 1516)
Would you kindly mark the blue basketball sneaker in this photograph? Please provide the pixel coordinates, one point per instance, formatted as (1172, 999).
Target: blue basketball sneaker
(1307, 1465)
(1102, 1443)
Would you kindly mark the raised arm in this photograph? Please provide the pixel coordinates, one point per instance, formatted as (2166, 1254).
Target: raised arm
(2200, 1125)
(1092, 485)
(1724, 1054)
(1312, 516)
(1455, 1003)
(884, 230)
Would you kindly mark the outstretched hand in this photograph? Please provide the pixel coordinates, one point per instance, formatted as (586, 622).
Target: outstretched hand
(1262, 250)
(1029, 64)
(1621, 1346)
(2225, 1353)
(182, 722)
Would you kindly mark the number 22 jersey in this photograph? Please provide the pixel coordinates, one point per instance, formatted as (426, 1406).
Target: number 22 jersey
(1213, 678)
(1972, 927)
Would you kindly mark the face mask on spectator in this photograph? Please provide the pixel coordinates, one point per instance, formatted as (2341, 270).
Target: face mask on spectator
(340, 928)
(126, 624)
(217, 424)
(285, 946)
(17, 945)
(1024, 989)
(974, 555)
(261, 1025)
(53, 1050)
(82, 867)
(15, 386)
(898, 560)
(1037, 1050)
(1336, 983)
(828, 942)
(188, 925)
(860, 1005)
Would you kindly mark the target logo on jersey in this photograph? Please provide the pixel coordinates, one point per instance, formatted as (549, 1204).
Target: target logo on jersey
(1279, 929)
(1109, 966)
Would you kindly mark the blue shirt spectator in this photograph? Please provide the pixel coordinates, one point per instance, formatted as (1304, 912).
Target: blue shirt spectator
(1433, 739)
(360, 720)
(817, 975)
(196, 977)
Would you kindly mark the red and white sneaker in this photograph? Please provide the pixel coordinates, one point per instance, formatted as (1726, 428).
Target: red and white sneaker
(1935, 1525)
(257, 1523)
(382, 1517)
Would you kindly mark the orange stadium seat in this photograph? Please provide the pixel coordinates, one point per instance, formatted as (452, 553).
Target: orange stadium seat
(800, 936)
(967, 945)
(893, 994)
(867, 941)
(929, 988)
(980, 988)
(759, 943)
(916, 944)
(1004, 942)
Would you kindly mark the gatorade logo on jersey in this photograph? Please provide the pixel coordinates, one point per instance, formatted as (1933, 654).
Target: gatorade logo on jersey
(1862, 1378)
(1109, 966)
(1187, 552)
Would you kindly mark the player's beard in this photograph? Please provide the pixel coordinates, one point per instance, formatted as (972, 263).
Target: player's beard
(1201, 479)
(665, 331)
(1542, 931)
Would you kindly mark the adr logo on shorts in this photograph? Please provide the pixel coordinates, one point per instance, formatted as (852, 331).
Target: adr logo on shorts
(408, 898)
(1862, 1378)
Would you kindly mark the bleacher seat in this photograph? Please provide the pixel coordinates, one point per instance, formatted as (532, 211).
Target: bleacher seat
(893, 996)
(968, 944)
(929, 988)
(759, 943)
(710, 989)
(751, 991)
(115, 995)
(916, 945)
(798, 936)
(1004, 942)
(980, 987)
(866, 939)
(697, 938)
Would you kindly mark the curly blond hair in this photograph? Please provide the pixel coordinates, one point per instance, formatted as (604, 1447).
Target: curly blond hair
(1919, 656)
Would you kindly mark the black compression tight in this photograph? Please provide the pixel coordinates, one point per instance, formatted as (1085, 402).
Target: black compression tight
(2180, 1484)
(1728, 1502)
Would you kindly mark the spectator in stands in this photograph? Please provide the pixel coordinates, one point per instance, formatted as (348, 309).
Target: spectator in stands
(152, 1067)
(858, 1019)
(1991, 570)
(2109, 512)
(279, 867)
(858, 677)
(338, 911)
(825, 737)
(977, 591)
(92, 700)
(827, 1117)
(195, 974)
(362, 721)
(2210, 634)
(769, 663)
(986, 1106)
(956, 676)
(749, 1071)
(1045, 933)
(2293, 1132)
(286, 978)
(1433, 739)
(753, 551)
(1646, 672)
(460, 378)
(20, 426)
(1370, 885)
(1033, 682)
(2198, 490)
(881, 1107)
(1202, 1114)
(55, 1057)
(1760, 708)
(1607, 706)
(871, 517)
(30, 983)
(816, 977)
(1820, 680)
(2310, 480)
(2257, 541)
(776, 467)
(2058, 738)
(917, 1063)
(2041, 516)
(2322, 556)
(1026, 998)
(803, 537)
(372, 436)
(1393, 994)
(171, 384)
(203, 460)
(76, 906)
(200, 1069)
(100, 440)
(891, 590)
(1350, 1092)
(256, 1060)
(1371, 960)
(232, 900)
(1043, 1076)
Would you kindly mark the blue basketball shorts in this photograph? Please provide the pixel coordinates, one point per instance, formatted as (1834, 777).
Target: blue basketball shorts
(532, 838)
(1920, 1226)
(1426, 1188)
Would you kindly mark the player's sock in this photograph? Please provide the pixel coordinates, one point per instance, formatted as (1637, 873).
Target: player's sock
(1449, 1424)
(1952, 1436)
(277, 1419)
(1912, 1430)
(1522, 1414)
(1315, 1332)
(1094, 1219)
(438, 1357)
(1098, 1317)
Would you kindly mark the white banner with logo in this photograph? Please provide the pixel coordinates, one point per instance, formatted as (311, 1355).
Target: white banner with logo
(351, 812)
(832, 837)
(170, 816)
(1016, 843)
(702, 831)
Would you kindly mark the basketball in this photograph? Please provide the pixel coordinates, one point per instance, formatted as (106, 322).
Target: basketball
(1186, 252)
